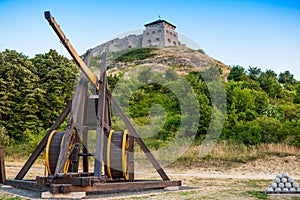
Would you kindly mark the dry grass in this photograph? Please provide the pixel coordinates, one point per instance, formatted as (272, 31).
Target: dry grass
(250, 171)
(232, 153)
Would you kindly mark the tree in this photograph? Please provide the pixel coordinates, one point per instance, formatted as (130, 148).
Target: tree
(253, 72)
(57, 75)
(286, 77)
(17, 83)
(297, 96)
(237, 73)
(33, 91)
(269, 83)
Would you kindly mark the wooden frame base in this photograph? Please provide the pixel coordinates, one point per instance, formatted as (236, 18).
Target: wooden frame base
(96, 187)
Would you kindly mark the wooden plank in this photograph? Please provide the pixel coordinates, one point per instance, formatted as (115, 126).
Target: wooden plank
(65, 147)
(85, 159)
(2, 166)
(131, 158)
(80, 181)
(138, 139)
(101, 111)
(74, 157)
(25, 184)
(114, 186)
(38, 150)
(85, 131)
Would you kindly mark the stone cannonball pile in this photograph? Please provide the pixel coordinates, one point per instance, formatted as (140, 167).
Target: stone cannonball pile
(284, 183)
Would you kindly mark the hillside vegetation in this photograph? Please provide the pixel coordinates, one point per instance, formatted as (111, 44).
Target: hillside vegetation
(33, 93)
(262, 107)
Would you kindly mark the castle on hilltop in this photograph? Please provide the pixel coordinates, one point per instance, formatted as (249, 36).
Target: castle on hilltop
(157, 33)
(160, 33)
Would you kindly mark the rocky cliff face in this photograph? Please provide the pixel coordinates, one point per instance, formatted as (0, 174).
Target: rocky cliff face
(182, 59)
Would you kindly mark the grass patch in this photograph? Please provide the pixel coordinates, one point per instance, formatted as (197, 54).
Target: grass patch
(134, 55)
(258, 195)
(186, 193)
(9, 197)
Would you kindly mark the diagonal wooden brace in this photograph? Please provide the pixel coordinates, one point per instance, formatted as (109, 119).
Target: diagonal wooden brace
(138, 139)
(63, 154)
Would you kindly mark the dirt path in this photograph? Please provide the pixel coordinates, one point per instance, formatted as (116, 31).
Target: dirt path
(243, 181)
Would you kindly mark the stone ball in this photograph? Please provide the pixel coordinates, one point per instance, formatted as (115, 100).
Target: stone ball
(288, 185)
(274, 185)
(291, 180)
(277, 180)
(281, 185)
(295, 185)
(278, 175)
(284, 180)
(285, 190)
(285, 174)
(278, 190)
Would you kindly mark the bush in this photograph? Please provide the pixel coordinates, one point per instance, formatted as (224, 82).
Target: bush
(4, 138)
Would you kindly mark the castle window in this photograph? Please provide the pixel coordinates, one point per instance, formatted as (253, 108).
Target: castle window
(129, 47)
(159, 31)
(169, 40)
(174, 34)
(174, 43)
(149, 41)
(147, 33)
(170, 33)
(157, 39)
(167, 31)
(153, 32)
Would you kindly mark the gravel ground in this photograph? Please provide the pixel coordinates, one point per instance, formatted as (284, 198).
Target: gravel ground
(15, 192)
(27, 194)
(245, 181)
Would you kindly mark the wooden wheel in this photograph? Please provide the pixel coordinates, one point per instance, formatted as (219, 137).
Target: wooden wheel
(52, 151)
(117, 159)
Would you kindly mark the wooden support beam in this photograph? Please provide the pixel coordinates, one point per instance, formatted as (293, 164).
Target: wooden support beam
(138, 139)
(63, 154)
(26, 184)
(131, 158)
(101, 111)
(85, 131)
(67, 188)
(85, 159)
(83, 87)
(2, 166)
(38, 150)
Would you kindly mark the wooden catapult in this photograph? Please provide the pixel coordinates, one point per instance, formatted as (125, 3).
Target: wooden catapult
(114, 151)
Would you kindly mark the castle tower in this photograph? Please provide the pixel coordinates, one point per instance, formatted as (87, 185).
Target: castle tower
(160, 33)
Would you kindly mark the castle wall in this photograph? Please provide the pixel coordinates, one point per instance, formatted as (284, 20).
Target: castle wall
(153, 37)
(130, 41)
(171, 38)
(156, 34)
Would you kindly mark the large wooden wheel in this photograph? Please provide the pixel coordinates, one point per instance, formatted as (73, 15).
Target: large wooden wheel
(117, 155)
(52, 152)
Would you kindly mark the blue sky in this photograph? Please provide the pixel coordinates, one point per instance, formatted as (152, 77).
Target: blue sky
(257, 33)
